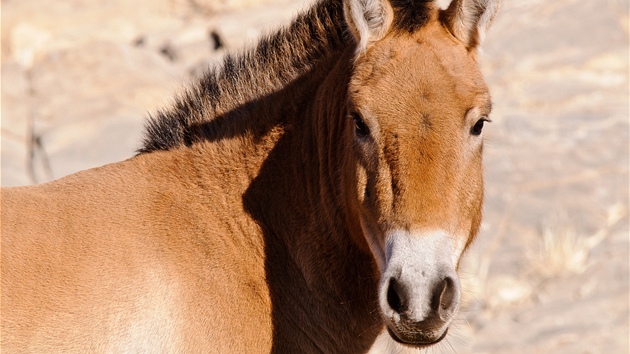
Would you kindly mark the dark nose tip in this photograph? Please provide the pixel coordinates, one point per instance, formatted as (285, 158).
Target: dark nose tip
(445, 298)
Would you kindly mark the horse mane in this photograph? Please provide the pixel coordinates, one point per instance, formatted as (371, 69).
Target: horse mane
(275, 61)
(264, 69)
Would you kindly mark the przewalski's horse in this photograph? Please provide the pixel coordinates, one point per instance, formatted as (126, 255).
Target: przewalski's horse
(303, 197)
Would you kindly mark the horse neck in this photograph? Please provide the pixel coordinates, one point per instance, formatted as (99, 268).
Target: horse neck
(258, 113)
(301, 197)
(292, 142)
(304, 182)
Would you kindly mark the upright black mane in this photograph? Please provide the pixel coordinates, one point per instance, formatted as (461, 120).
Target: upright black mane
(410, 15)
(275, 61)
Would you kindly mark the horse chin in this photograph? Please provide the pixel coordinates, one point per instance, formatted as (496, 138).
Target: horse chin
(415, 340)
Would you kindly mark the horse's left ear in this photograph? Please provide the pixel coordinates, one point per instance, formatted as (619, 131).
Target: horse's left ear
(468, 20)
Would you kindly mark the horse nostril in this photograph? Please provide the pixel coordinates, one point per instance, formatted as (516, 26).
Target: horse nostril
(447, 297)
(394, 292)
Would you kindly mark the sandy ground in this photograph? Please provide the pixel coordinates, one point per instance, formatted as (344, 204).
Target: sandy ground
(549, 272)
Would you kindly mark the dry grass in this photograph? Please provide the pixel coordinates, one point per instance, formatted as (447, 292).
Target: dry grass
(562, 251)
(558, 251)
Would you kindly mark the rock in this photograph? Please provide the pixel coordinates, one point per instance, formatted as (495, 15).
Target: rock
(81, 144)
(15, 100)
(15, 125)
(217, 6)
(14, 161)
(79, 95)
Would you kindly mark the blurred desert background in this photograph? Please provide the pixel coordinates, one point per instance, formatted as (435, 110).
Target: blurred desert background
(549, 272)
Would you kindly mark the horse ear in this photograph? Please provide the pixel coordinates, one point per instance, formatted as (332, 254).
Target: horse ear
(468, 20)
(368, 20)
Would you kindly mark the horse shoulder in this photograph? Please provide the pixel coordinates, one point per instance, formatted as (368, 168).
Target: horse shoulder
(129, 255)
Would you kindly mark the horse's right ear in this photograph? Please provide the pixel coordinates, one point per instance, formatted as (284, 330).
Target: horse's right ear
(368, 20)
(468, 20)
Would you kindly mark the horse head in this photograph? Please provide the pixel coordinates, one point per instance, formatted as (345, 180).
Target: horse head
(417, 105)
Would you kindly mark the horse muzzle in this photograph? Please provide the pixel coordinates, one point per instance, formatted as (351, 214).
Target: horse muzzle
(420, 290)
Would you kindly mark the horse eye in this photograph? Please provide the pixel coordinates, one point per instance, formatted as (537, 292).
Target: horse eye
(478, 127)
(360, 127)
